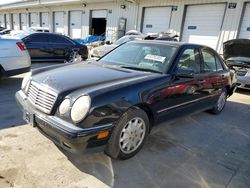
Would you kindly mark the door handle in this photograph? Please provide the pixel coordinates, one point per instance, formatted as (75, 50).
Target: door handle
(201, 81)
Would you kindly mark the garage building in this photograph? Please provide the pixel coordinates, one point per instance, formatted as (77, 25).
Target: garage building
(209, 22)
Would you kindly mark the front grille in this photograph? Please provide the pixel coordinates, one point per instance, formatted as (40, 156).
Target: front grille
(41, 97)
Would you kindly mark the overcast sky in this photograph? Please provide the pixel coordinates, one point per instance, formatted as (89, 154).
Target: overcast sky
(2, 2)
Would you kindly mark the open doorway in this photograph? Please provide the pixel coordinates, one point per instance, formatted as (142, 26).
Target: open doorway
(98, 26)
(98, 22)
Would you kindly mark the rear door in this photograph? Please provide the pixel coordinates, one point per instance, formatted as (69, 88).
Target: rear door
(37, 45)
(61, 47)
(215, 75)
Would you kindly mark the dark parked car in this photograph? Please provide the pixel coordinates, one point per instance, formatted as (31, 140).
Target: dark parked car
(2, 28)
(116, 101)
(5, 32)
(237, 56)
(52, 47)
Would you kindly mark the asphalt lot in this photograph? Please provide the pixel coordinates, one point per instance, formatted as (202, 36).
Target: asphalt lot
(201, 150)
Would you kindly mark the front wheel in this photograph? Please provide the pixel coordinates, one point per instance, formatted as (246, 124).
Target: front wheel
(128, 135)
(220, 103)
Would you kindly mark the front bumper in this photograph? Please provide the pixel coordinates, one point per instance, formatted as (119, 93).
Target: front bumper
(62, 133)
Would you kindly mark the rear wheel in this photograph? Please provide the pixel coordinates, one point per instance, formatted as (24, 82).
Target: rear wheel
(220, 103)
(128, 135)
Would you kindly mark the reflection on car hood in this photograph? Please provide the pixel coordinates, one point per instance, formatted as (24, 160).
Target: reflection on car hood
(84, 76)
(102, 50)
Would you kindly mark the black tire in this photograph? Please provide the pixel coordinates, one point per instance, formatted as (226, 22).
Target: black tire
(113, 148)
(217, 108)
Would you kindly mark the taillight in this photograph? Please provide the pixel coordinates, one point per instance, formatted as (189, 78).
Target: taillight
(21, 46)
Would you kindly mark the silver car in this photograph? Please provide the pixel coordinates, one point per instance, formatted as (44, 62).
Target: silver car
(14, 57)
(237, 55)
(102, 50)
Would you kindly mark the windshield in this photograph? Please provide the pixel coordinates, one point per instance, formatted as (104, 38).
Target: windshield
(148, 56)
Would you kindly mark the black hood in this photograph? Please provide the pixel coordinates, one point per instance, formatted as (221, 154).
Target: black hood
(236, 48)
(79, 76)
(237, 53)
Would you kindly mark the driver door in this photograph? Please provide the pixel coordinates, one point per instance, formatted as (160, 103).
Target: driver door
(186, 93)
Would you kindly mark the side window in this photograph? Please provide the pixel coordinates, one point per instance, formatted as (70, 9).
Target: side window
(189, 60)
(58, 40)
(36, 38)
(209, 61)
(218, 64)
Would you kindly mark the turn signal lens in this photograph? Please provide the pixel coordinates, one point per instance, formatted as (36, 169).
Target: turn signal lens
(102, 135)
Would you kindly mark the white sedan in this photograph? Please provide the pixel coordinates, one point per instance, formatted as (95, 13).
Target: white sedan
(14, 57)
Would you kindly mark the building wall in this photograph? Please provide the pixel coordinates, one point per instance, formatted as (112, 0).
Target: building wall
(134, 11)
(113, 8)
(230, 25)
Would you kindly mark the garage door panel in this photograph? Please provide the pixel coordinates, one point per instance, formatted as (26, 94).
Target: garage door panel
(156, 19)
(99, 14)
(45, 19)
(76, 24)
(2, 24)
(203, 24)
(24, 21)
(245, 25)
(33, 19)
(16, 22)
(8, 21)
(58, 22)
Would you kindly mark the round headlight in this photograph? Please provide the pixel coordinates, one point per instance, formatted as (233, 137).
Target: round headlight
(26, 80)
(80, 108)
(64, 107)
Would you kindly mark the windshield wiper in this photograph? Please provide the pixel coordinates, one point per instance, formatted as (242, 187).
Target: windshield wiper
(140, 69)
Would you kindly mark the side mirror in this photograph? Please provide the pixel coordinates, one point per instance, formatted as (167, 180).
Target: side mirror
(184, 73)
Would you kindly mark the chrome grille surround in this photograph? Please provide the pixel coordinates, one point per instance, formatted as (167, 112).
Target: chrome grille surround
(41, 97)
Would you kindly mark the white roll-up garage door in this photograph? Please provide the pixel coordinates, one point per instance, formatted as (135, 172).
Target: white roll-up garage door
(156, 19)
(245, 25)
(24, 21)
(58, 22)
(8, 21)
(75, 24)
(203, 24)
(99, 14)
(33, 19)
(16, 25)
(45, 19)
(2, 24)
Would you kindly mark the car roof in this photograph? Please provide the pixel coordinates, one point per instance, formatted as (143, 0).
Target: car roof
(45, 33)
(169, 43)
